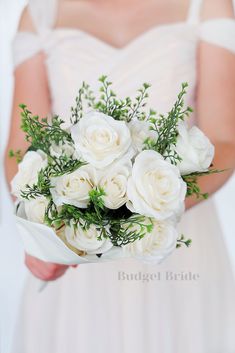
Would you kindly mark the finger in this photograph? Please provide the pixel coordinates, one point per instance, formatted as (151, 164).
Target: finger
(58, 273)
(41, 270)
(44, 270)
(47, 276)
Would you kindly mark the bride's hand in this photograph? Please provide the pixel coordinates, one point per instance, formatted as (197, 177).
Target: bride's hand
(45, 271)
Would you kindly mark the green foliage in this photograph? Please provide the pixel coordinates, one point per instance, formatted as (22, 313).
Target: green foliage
(41, 188)
(193, 187)
(40, 133)
(85, 95)
(72, 215)
(120, 231)
(16, 154)
(182, 241)
(56, 167)
(108, 103)
(137, 108)
(125, 231)
(166, 128)
(96, 198)
(51, 215)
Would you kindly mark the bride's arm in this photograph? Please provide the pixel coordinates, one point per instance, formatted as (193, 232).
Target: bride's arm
(216, 100)
(31, 88)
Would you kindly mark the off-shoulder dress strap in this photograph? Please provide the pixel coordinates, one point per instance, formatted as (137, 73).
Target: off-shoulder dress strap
(194, 11)
(43, 13)
(26, 44)
(219, 31)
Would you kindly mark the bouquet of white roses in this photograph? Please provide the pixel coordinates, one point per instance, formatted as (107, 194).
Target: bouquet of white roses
(112, 184)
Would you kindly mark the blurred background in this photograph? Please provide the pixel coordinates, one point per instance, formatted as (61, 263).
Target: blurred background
(12, 271)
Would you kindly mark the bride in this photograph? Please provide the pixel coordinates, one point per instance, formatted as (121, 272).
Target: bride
(188, 305)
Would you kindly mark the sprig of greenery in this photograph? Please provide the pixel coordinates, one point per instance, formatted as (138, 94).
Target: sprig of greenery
(108, 103)
(40, 133)
(182, 241)
(55, 168)
(63, 165)
(41, 188)
(72, 215)
(193, 187)
(96, 198)
(96, 206)
(125, 231)
(16, 154)
(136, 109)
(51, 215)
(166, 128)
(85, 94)
(94, 214)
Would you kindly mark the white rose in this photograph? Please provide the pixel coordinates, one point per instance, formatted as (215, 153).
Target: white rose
(87, 240)
(140, 132)
(155, 188)
(35, 209)
(74, 188)
(155, 246)
(62, 148)
(114, 183)
(100, 139)
(28, 170)
(195, 149)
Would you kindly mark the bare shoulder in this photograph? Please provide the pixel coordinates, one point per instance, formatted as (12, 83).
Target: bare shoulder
(217, 9)
(26, 23)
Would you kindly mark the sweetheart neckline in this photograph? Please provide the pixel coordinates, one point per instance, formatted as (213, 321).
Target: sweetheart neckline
(129, 44)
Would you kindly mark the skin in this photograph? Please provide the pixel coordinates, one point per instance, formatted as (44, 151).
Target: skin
(118, 22)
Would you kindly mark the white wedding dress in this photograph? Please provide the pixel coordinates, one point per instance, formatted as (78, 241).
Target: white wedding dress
(92, 309)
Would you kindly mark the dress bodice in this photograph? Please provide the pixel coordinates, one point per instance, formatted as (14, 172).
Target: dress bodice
(164, 56)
